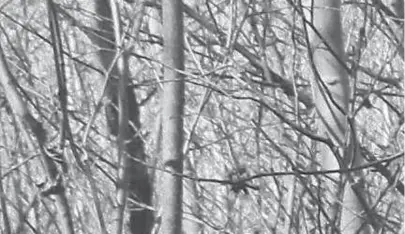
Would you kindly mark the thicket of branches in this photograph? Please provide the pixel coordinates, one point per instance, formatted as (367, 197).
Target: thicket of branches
(248, 105)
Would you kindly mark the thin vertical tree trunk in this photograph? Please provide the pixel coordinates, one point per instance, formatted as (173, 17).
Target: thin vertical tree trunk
(171, 190)
(133, 178)
(20, 110)
(123, 133)
(331, 89)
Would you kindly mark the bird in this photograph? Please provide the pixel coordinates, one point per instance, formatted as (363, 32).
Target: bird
(236, 177)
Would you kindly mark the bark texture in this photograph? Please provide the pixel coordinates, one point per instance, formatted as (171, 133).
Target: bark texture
(20, 110)
(133, 176)
(331, 90)
(172, 119)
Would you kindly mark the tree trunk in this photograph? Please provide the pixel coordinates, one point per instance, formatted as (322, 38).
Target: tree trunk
(171, 190)
(122, 113)
(332, 91)
(56, 188)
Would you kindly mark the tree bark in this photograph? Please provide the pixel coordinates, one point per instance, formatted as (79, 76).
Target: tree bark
(172, 119)
(20, 110)
(331, 95)
(122, 105)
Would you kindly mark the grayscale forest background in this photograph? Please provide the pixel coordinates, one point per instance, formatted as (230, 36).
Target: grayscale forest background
(242, 116)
